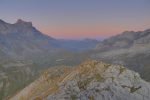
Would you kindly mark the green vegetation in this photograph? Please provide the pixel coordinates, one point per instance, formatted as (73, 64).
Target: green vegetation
(112, 79)
(107, 66)
(97, 90)
(15, 77)
(107, 89)
(134, 89)
(2, 92)
(99, 78)
(91, 97)
(121, 70)
(74, 97)
(83, 84)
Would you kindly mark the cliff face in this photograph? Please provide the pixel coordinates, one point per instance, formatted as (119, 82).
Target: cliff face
(91, 80)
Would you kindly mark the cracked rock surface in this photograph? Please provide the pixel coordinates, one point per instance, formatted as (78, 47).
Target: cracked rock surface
(92, 80)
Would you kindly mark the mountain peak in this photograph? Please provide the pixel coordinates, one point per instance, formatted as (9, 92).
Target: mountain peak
(1, 21)
(24, 23)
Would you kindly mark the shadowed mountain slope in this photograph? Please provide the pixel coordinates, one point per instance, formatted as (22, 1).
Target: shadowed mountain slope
(131, 49)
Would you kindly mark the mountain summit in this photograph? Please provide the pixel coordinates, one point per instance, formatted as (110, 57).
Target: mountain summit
(23, 23)
(20, 21)
(22, 39)
(91, 80)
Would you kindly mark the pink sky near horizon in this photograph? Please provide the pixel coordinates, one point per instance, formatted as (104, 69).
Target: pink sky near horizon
(78, 19)
(89, 31)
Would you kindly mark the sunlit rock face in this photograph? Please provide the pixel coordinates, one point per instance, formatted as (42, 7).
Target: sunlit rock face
(91, 80)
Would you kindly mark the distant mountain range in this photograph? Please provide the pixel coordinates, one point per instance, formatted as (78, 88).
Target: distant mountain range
(25, 51)
(21, 40)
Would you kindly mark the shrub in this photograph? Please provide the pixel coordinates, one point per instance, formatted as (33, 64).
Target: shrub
(91, 97)
(74, 97)
(99, 78)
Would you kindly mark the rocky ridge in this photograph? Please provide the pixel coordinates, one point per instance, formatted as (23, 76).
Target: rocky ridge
(92, 80)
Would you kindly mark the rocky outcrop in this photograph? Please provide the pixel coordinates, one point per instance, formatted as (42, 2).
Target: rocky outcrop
(91, 80)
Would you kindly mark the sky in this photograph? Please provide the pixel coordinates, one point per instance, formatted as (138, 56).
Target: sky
(78, 19)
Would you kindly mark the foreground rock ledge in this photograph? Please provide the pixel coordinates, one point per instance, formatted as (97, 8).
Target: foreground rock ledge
(92, 80)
